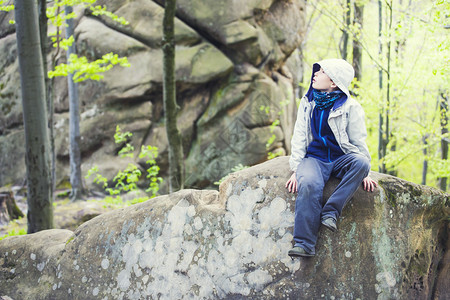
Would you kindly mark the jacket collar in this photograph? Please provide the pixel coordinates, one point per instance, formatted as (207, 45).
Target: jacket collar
(339, 102)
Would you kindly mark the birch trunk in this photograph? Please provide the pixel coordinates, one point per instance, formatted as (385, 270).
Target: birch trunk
(39, 197)
(381, 131)
(443, 108)
(43, 31)
(345, 31)
(74, 122)
(357, 48)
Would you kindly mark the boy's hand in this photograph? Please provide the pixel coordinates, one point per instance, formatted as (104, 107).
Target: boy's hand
(291, 184)
(369, 184)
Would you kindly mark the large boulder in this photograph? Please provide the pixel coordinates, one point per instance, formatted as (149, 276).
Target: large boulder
(233, 244)
(231, 59)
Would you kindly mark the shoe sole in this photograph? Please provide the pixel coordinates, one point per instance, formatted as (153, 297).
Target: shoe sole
(333, 229)
(293, 255)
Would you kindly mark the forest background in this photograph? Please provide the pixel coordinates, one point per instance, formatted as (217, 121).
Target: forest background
(400, 50)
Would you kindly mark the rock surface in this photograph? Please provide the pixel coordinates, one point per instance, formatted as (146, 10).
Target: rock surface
(230, 62)
(233, 244)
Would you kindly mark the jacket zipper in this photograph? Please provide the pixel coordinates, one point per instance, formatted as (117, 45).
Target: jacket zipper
(323, 139)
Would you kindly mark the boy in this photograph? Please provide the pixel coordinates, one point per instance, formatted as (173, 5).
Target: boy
(328, 140)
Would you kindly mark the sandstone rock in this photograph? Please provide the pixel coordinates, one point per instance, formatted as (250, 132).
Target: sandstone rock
(229, 62)
(12, 155)
(252, 29)
(146, 18)
(8, 207)
(66, 214)
(10, 102)
(238, 31)
(71, 215)
(5, 26)
(233, 244)
(111, 41)
(236, 127)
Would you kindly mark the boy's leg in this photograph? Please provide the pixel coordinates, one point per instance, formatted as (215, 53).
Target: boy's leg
(311, 178)
(352, 168)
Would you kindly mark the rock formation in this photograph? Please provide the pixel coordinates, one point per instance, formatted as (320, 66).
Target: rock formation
(233, 82)
(232, 244)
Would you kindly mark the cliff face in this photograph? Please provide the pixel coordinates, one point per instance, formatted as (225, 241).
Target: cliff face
(391, 244)
(232, 84)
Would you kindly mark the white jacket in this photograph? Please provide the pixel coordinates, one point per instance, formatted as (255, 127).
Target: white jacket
(346, 121)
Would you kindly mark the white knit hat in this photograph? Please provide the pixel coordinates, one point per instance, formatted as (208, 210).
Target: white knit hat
(339, 71)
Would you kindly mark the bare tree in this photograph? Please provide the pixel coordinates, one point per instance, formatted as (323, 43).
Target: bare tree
(176, 162)
(43, 31)
(39, 184)
(443, 109)
(357, 47)
(425, 160)
(74, 121)
(385, 121)
(381, 132)
(345, 31)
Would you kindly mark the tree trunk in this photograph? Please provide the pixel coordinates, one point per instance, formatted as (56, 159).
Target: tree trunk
(387, 117)
(8, 208)
(345, 31)
(443, 108)
(39, 187)
(381, 131)
(425, 160)
(43, 32)
(176, 168)
(74, 122)
(51, 104)
(357, 48)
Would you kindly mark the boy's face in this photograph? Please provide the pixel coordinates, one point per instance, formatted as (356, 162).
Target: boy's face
(322, 82)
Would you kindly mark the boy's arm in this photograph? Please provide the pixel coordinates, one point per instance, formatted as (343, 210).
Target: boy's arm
(298, 142)
(357, 132)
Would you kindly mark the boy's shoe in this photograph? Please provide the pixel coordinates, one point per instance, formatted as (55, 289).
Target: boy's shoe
(299, 251)
(330, 223)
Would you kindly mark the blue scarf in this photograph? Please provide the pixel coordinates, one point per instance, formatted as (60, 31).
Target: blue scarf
(326, 100)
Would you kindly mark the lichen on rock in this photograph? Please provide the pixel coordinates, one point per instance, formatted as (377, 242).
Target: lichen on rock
(233, 243)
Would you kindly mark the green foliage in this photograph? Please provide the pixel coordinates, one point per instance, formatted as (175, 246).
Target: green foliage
(151, 153)
(4, 6)
(98, 179)
(63, 201)
(120, 138)
(57, 17)
(83, 70)
(265, 109)
(63, 43)
(14, 232)
(236, 168)
(419, 72)
(101, 11)
(139, 200)
(80, 67)
(126, 180)
(272, 155)
(271, 140)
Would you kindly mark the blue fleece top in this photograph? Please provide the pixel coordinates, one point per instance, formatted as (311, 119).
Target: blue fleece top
(324, 145)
